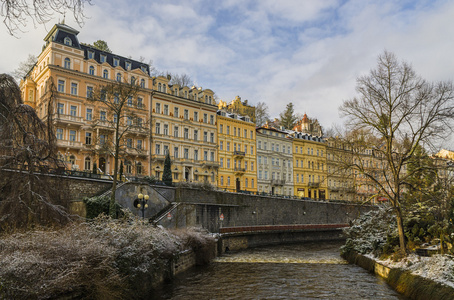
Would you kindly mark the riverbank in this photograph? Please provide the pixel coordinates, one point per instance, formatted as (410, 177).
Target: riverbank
(403, 280)
(103, 259)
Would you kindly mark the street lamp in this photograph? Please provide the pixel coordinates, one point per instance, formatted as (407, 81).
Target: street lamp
(142, 203)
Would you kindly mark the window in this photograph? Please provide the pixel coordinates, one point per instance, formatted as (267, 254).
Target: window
(205, 118)
(221, 145)
(61, 86)
(196, 154)
(234, 131)
(221, 128)
(90, 54)
(129, 142)
(245, 133)
(140, 102)
(228, 146)
(102, 116)
(139, 122)
(166, 129)
(116, 62)
(205, 136)
(260, 174)
(252, 134)
(87, 164)
(175, 176)
(89, 115)
(158, 128)
(265, 146)
(222, 180)
(89, 92)
(158, 108)
(228, 163)
(130, 101)
(139, 168)
(245, 149)
(72, 135)
(118, 77)
(212, 156)
(88, 138)
(228, 129)
(212, 137)
(61, 107)
(176, 112)
(196, 135)
(221, 161)
(166, 109)
(67, 41)
(212, 120)
(186, 133)
(252, 150)
(142, 83)
(245, 165)
(252, 166)
(186, 114)
(157, 149)
(196, 116)
(115, 118)
(103, 58)
(252, 183)
(67, 63)
(246, 182)
(205, 155)
(105, 74)
(129, 121)
(139, 144)
(259, 159)
(73, 110)
(228, 180)
(133, 80)
(260, 144)
(74, 88)
(59, 133)
(186, 153)
(175, 131)
(164, 87)
(175, 152)
(128, 65)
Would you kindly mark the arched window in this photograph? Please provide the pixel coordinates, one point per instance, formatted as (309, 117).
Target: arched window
(91, 70)
(87, 165)
(138, 168)
(67, 41)
(142, 83)
(105, 74)
(72, 159)
(118, 77)
(133, 80)
(67, 63)
(206, 99)
(209, 99)
(128, 167)
(186, 94)
(159, 87)
(164, 87)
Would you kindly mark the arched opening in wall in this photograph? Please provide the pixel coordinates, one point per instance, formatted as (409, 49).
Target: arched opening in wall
(102, 164)
(187, 173)
(238, 185)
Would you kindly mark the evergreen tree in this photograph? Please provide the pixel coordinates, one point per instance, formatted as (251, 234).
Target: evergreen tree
(167, 174)
(288, 117)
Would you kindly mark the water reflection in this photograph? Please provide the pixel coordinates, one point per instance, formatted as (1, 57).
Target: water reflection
(304, 271)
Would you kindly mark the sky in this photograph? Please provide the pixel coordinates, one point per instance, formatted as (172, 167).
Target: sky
(308, 52)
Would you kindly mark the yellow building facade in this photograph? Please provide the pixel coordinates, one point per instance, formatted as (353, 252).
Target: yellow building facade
(183, 122)
(309, 166)
(237, 152)
(82, 127)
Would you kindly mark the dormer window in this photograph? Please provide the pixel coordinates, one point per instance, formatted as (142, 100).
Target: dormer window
(91, 54)
(144, 68)
(103, 58)
(68, 41)
(128, 65)
(116, 62)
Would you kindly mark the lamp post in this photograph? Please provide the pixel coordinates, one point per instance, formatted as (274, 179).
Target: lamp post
(142, 203)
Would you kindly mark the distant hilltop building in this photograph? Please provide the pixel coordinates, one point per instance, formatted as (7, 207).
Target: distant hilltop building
(309, 126)
(237, 106)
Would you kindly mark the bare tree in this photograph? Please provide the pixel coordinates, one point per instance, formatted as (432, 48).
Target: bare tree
(181, 79)
(118, 100)
(261, 113)
(16, 13)
(25, 67)
(402, 111)
(27, 147)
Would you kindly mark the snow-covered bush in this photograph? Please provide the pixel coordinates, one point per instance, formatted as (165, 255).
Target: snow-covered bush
(371, 232)
(103, 259)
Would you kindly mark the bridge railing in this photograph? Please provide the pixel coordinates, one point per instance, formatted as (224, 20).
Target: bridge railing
(291, 227)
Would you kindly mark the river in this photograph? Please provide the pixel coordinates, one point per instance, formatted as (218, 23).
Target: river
(298, 271)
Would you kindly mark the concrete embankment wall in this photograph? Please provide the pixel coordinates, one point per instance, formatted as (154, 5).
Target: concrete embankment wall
(407, 284)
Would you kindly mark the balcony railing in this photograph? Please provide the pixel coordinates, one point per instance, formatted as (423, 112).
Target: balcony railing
(239, 153)
(277, 181)
(240, 170)
(209, 163)
(69, 119)
(64, 143)
(158, 157)
(314, 184)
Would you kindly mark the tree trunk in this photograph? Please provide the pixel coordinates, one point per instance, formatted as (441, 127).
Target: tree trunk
(400, 230)
(112, 210)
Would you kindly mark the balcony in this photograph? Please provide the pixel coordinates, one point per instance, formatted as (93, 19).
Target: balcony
(239, 153)
(240, 171)
(277, 181)
(69, 119)
(210, 164)
(313, 184)
(69, 144)
(158, 157)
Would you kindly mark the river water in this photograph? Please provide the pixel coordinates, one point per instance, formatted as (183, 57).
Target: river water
(298, 271)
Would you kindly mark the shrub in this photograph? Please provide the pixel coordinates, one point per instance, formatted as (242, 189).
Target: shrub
(99, 205)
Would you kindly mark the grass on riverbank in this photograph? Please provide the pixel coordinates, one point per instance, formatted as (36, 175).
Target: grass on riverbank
(103, 259)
